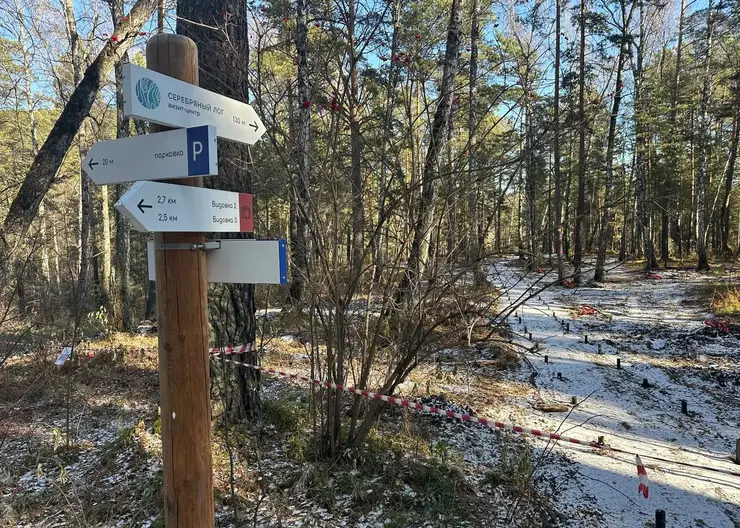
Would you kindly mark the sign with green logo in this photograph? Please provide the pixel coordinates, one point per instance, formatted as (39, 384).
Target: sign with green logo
(158, 98)
(147, 92)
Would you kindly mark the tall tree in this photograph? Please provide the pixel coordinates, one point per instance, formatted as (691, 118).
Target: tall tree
(425, 210)
(558, 201)
(702, 173)
(121, 276)
(379, 237)
(729, 172)
(224, 68)
(475, 238)
(300, 188)
(644, 204)
(86, 208)
(609, 181)
(674, 144)
(356, 144)
(582, 125)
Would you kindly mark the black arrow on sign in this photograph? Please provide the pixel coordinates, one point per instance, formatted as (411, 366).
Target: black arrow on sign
(91, 164)
(254, 125)
(143, 206)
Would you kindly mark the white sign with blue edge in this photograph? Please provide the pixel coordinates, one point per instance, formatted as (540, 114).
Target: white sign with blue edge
(162, 99)
(242, 261)
(162, 156)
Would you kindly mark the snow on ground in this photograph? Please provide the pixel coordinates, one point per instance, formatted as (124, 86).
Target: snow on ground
(659, 337)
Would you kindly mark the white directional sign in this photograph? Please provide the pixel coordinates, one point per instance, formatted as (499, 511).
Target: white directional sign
(152, 206)
(242, 261)
(161, 99)
(162, 156)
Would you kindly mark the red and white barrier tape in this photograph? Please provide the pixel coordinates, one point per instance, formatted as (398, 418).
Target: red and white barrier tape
(230, 350)
(240, 349)
(462, 417)
(421, 407)
(643, 486)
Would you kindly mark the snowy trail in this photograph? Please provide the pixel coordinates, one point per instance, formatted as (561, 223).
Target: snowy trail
(647, 324)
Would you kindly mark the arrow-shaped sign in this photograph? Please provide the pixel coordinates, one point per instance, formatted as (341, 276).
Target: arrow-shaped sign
(161, 156)
(161, 99)
(152, 206)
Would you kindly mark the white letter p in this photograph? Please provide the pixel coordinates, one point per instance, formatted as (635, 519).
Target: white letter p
(197, 149)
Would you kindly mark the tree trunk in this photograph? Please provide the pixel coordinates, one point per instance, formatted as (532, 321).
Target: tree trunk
(568, 194)
(582, 122)
(107, 258)
(425, 211)
(521, 219)
(474, 232)
(625, 215)
(300, 195)
(356, 144)
(121, 275)
(498, 212)
(45, 263)
(605, 230)
(675, 145)
(380, 237)
(85, 207)
(644, 207)
(530, 190)
(85, 223)
(558, 205)
(692, 163)
(31, 109)
(702, 174)
(729, 175)
(150, 312)
(224, 68)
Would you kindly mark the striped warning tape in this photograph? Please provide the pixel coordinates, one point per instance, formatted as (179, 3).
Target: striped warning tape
(401, 402)
(230, 350)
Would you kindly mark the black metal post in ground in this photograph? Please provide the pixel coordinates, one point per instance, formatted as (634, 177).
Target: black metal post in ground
(659, 519)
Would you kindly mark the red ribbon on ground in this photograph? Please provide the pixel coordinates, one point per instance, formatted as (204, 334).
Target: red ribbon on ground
(587, 309)
(717, 324)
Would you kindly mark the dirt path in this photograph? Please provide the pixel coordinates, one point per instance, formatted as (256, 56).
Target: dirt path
(660, 339)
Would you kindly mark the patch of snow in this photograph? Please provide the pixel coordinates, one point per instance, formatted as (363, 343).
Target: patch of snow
(649, 326)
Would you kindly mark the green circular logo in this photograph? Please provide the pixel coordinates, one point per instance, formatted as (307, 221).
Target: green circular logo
(147, 92)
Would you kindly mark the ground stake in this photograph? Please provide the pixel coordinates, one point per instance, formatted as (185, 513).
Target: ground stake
(659, 519)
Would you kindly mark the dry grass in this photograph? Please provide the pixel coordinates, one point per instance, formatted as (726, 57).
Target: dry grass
(125, 340)
(727, 302)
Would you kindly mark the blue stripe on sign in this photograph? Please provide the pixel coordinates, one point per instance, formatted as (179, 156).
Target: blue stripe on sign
(198, 150)
(283, 256)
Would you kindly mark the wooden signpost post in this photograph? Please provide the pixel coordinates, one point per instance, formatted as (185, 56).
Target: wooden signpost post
(182, 319)
(167, 93)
